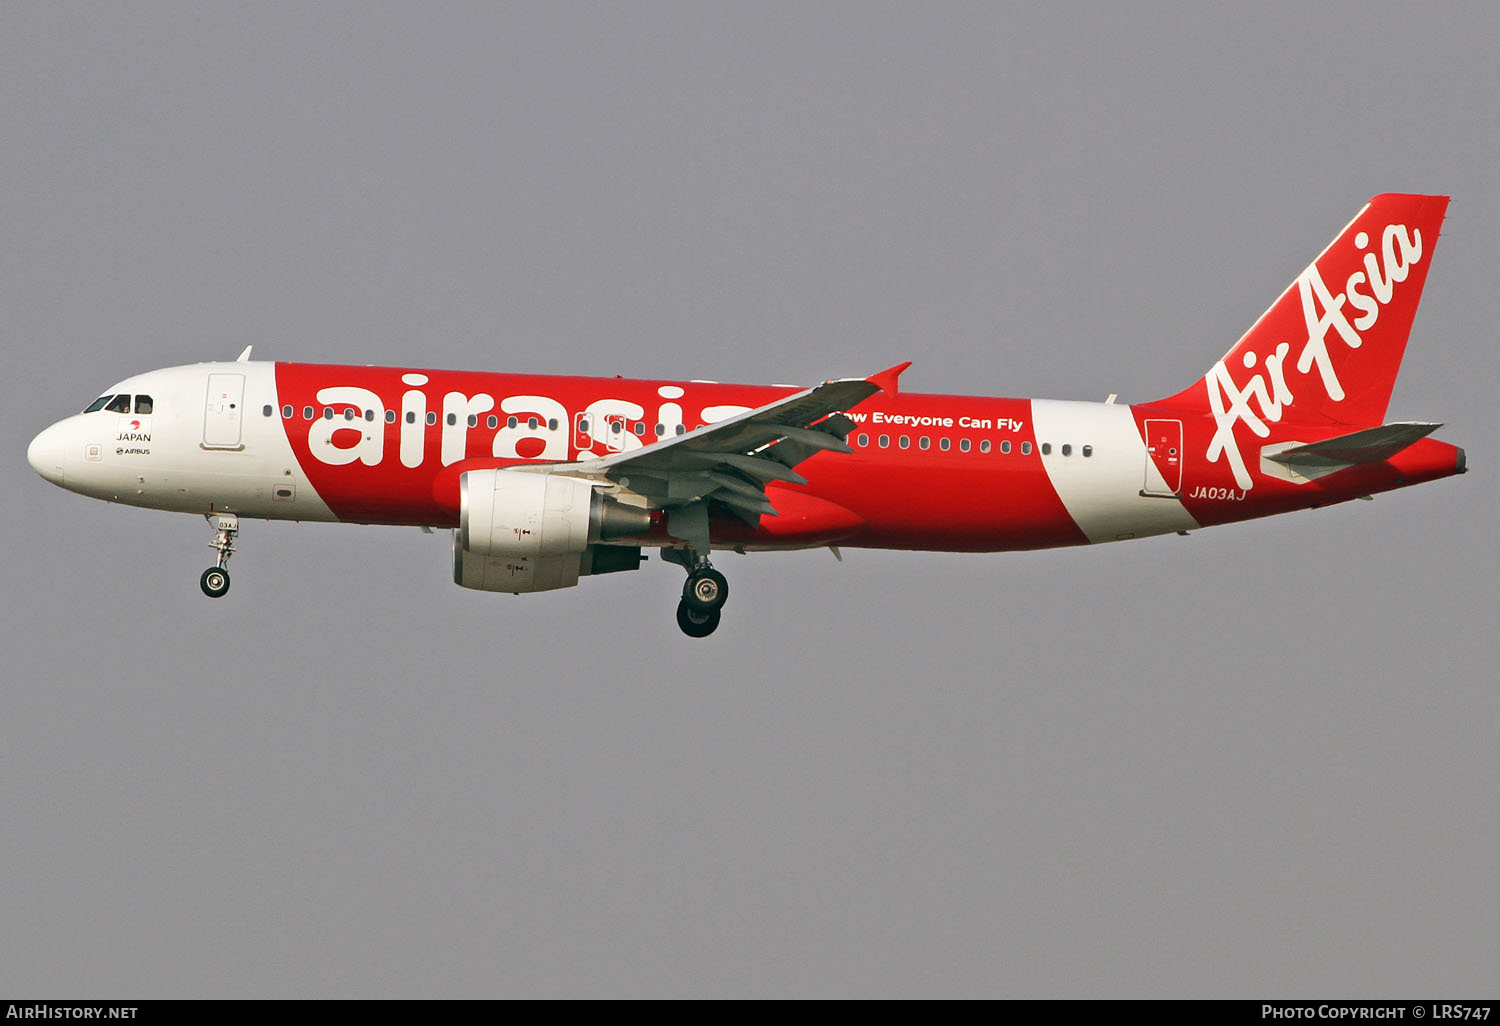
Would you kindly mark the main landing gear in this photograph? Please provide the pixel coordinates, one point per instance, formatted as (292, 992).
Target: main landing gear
(703, 595)
(215, 580)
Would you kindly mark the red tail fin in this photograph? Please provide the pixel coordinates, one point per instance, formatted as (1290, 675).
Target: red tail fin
(1330, 347)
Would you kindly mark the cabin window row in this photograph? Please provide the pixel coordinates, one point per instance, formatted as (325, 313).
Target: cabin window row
(637, 427)
(289, 412)
(965, 445)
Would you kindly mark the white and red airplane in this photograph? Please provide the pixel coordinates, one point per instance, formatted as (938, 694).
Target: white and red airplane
(548, 479)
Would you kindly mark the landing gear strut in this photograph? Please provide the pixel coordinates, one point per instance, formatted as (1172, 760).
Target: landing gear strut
(215, 580)
(703, 594)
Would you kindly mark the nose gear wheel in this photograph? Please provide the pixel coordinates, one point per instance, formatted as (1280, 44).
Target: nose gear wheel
(215, 580)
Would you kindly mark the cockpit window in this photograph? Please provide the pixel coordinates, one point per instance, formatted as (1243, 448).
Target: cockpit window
(98, 404)
(143, 404)
(119, 404)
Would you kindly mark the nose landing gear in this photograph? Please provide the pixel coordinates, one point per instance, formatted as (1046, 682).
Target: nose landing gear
(215, 580)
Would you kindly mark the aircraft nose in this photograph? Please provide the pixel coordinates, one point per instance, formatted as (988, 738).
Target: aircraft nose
(45, 454)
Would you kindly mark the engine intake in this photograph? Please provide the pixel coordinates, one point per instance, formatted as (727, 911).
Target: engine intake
(522, 532)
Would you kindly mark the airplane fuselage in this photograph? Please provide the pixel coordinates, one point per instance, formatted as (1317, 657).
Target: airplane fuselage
(377, 445)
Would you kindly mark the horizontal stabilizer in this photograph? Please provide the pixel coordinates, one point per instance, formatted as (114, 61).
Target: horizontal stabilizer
(1368, 446)
(1312, 460)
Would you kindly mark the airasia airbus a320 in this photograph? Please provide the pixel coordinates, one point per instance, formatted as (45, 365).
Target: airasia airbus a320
(545, 480)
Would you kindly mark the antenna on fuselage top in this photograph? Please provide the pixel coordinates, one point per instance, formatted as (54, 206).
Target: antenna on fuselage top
(245, 356)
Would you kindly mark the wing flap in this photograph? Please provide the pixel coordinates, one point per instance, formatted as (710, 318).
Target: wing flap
(732, 461)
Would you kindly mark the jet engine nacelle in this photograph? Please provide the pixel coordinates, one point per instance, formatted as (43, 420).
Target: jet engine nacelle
(523, 532)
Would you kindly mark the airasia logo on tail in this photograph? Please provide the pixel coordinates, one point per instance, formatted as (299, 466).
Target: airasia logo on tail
(1367, 291)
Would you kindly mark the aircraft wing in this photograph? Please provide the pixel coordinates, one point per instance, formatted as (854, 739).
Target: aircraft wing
(734, 459)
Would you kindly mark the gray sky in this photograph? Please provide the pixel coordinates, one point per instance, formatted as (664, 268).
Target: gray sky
(1256, 761)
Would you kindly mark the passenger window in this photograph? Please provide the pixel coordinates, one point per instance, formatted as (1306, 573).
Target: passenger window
(661, 429)
(1005, 447)
(682, 429)
(452, 419)
(905, 442)
(390, 416)
(98, 404)
(1067, 450)
(473, 420)
(862, 440)
(963, 445)
(1025, 448)
(533, 423)
(1046, 448)
(944, 444)
(492, 421)
(552, 424)
(328, 413)
(143, 404)
(411, 416)
(349, 414)
(431, 417)
(266, 411)
(287, 411)
(1088, 450)
(307, 413)
(924, 442)
(119, 404)
(883, 441)
(984, 446)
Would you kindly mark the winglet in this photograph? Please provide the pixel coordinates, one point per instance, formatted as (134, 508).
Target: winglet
(886, 379)
(245, 356)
